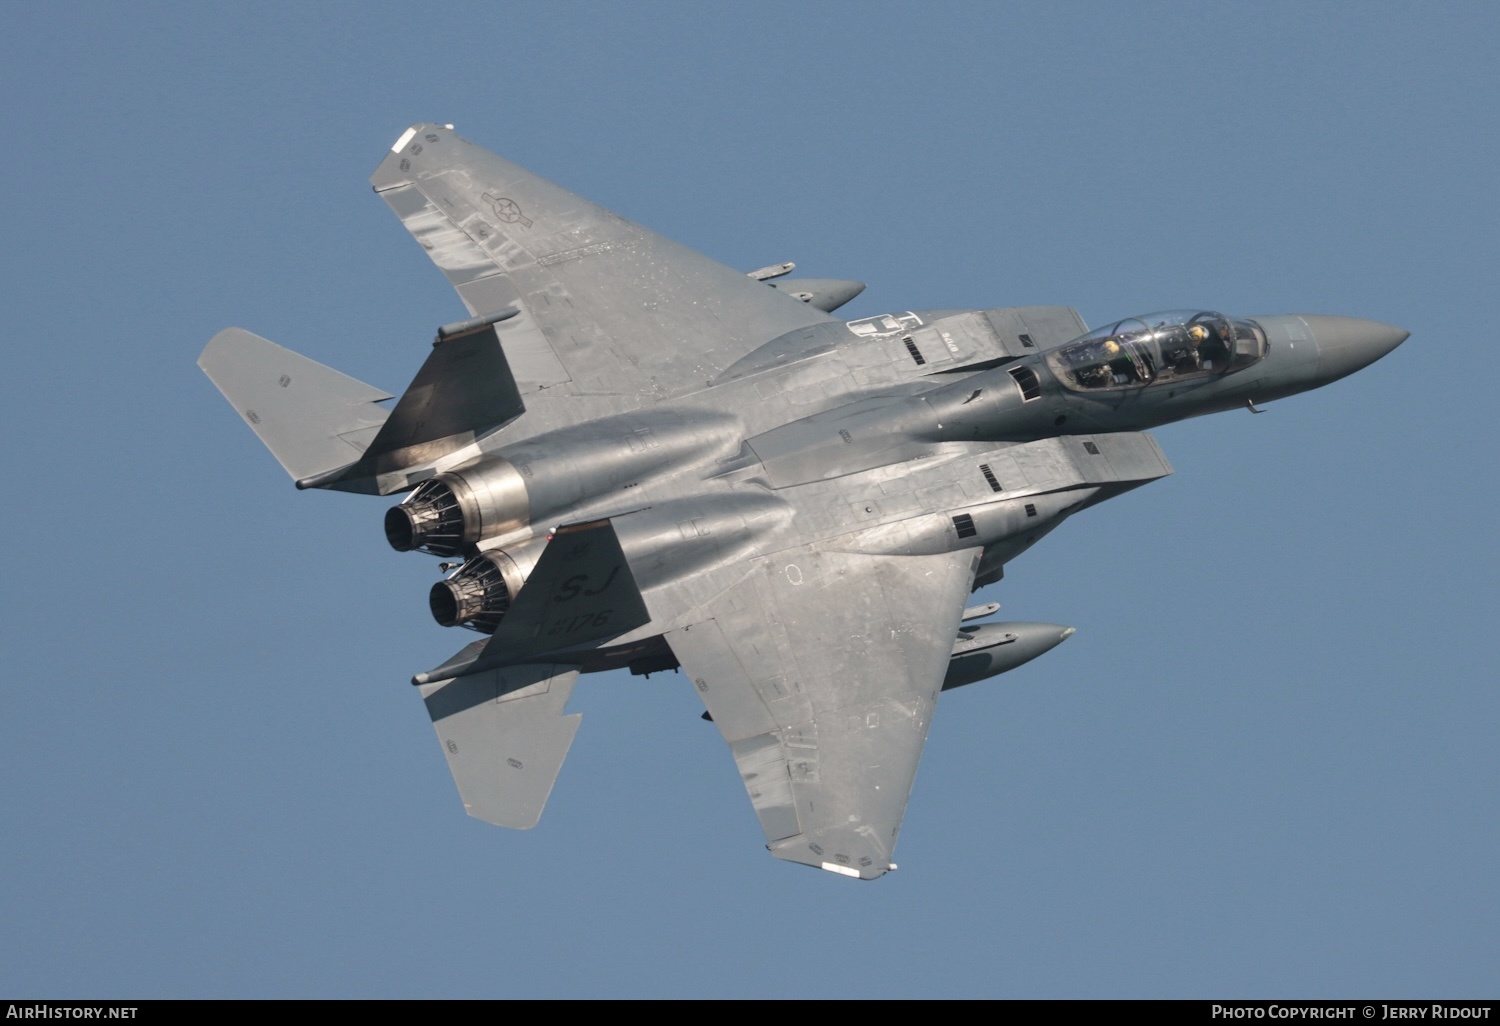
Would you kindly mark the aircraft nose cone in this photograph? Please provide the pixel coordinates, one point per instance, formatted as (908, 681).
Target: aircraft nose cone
(1346, 344)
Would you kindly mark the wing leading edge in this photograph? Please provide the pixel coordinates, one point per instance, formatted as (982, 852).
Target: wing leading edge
(822, 672)
(607, 307)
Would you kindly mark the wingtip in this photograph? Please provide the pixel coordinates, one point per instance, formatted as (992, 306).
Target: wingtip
(840, 852)
(406, 136)
(397, 167)
(221, 338)
(871, 873)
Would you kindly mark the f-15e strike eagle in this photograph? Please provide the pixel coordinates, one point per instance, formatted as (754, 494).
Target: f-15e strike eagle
(638, 457)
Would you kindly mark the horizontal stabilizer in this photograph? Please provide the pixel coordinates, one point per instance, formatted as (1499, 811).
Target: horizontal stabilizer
(465, 387)
(505, 737)
(311, 417)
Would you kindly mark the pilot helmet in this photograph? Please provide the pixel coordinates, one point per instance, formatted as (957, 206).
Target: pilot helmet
(1197, 333)
(1111, 346)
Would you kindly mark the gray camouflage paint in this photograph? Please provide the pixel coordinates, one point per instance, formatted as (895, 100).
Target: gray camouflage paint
(648, 459)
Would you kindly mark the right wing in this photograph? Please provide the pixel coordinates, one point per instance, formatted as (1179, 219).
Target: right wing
(607, 307)
(822, 670)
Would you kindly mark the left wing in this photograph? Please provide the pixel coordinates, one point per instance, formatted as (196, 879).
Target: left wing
(606, 306)
(822, 671)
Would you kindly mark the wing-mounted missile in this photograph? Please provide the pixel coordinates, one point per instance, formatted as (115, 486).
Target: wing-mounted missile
(989, 649)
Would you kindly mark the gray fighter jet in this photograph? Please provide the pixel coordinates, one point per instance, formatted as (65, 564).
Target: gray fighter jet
(637, 457)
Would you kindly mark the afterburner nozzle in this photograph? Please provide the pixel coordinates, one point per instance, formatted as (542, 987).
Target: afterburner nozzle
(476, 596)
(431, 519)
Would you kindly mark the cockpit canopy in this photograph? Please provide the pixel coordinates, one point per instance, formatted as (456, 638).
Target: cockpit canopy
(1170, 346)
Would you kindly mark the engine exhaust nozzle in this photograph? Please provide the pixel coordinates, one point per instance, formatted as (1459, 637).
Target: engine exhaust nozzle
(476, 596)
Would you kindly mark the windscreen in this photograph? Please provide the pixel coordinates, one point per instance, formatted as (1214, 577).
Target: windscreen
(1169, 346)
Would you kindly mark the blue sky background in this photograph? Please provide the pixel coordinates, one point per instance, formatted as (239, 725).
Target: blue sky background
(1266, 765)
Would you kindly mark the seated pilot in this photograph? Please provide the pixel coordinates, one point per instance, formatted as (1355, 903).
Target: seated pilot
(1097, 375)
(1101, 374)
(1213, 347)
(1184, 358)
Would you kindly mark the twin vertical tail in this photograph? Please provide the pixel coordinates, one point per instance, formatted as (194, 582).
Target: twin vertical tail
(326, 428)
(502, 727)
